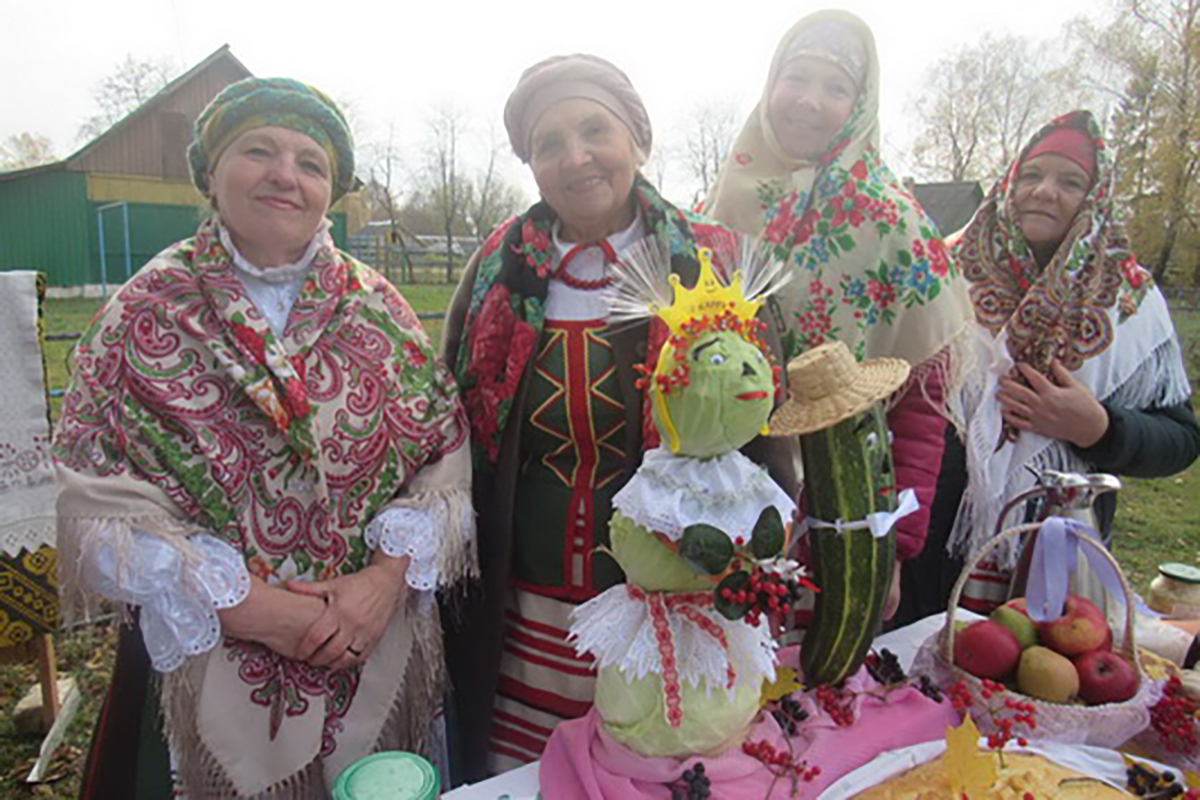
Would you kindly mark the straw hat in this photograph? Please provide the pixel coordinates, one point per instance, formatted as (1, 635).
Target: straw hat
(827, 386)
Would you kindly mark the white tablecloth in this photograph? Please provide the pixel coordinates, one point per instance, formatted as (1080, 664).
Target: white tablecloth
(522, 784)
(518, 784)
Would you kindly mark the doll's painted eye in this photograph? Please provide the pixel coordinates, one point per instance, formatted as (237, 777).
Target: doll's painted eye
(716, 358)
(891, 437)
(872, 439)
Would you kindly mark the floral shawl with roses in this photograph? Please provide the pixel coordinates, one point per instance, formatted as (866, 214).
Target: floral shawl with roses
(187, 414)
(1092, 307)
(506, 314)
(871, 268)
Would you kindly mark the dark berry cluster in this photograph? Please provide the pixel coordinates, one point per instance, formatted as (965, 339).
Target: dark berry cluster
(927, 687)
(885, 667)
(694, 785)
(1146, 782)
(789, 714)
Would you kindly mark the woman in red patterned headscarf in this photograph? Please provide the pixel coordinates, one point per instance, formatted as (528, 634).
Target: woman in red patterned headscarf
(1083, 370)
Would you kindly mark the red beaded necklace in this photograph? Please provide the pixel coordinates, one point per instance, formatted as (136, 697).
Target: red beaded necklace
(560, 272)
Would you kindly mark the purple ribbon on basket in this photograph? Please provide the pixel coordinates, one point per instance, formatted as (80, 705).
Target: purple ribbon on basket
(1055, 560)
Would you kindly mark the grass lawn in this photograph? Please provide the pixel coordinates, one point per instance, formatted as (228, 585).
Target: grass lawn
(1158, 520)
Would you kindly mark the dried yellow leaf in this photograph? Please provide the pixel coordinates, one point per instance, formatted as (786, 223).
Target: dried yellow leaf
(969, 770)
(787, 682)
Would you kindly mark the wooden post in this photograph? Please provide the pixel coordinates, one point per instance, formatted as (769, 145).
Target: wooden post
(48, 677)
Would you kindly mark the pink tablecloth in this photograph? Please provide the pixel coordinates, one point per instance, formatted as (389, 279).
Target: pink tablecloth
(582, 763)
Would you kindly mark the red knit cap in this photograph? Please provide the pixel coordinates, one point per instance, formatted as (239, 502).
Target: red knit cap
(1069, 143)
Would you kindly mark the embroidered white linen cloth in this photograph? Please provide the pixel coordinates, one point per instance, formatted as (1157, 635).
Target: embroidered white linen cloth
(27, 488)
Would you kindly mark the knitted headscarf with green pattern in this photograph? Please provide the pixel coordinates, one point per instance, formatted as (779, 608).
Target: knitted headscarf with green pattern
(279, 102)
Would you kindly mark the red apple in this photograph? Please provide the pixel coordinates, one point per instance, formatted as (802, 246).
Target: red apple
(1019, 604)
(987, 649)
(1107, 643)
(1081, 628)
(1105, 677)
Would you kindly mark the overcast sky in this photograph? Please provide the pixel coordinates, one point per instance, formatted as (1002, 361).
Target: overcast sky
(395, 61)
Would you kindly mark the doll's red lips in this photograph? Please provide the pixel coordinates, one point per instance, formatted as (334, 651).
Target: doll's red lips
(751, 395)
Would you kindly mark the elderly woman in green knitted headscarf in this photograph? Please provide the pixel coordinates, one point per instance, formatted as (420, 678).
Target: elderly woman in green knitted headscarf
(264, 464)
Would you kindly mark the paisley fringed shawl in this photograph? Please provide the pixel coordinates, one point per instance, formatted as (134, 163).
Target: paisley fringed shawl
(1092, 307)
(186, 413)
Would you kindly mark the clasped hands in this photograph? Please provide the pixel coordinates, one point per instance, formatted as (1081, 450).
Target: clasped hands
(1058, 407)
(335, 623)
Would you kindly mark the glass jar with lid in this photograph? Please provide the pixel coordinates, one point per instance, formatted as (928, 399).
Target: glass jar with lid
(391, 775)
(1175, 591)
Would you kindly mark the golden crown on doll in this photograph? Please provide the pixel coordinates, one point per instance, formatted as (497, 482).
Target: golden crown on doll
(711, 298)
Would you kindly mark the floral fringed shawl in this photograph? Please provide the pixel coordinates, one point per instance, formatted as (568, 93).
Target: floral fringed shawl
(871, 269)
(1092, 307)
(505, 319)
(187, 414)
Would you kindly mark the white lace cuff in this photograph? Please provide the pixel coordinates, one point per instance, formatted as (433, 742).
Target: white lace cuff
(414, 532)
(178, 597)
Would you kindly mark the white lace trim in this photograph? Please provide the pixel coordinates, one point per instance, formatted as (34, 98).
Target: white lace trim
(178, 600)
(413, 532)
(618, 631)
(274, 290)
(670, 492)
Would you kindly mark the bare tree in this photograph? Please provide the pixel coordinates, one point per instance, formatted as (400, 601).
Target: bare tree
(23, 150)
(1155, 47)
(445, 175)
(980, 103)
(491, 198)
(711, 129)
(131, 83)
(382, 189)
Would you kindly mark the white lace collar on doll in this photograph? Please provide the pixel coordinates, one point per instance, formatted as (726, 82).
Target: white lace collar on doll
(669, 493)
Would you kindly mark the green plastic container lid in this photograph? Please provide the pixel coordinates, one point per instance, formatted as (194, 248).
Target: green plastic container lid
(1180, 572)
(391, 775)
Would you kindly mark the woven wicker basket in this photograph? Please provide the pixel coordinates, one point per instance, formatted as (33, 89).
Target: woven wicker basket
(1107, 725)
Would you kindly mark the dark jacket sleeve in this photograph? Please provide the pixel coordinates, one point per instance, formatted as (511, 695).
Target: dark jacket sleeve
(1153, 443)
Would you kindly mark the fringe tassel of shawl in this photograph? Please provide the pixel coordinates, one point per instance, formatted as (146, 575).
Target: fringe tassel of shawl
(407, 727)
(950, 370)
(1159, 380)
(80, 537)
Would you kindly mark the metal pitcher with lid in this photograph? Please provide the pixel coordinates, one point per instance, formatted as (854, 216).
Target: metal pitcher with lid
(1063, 494)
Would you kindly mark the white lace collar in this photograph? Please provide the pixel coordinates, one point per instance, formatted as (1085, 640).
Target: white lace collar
(284, 273)
(670, 492)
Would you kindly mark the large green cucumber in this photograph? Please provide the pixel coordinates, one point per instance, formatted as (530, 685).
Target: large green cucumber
(848, 474)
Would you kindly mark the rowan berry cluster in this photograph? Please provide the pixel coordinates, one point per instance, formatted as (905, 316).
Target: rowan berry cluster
(1173, 718)
(781, 763)
(765, 593)
(837, 703)
(1005, 717)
